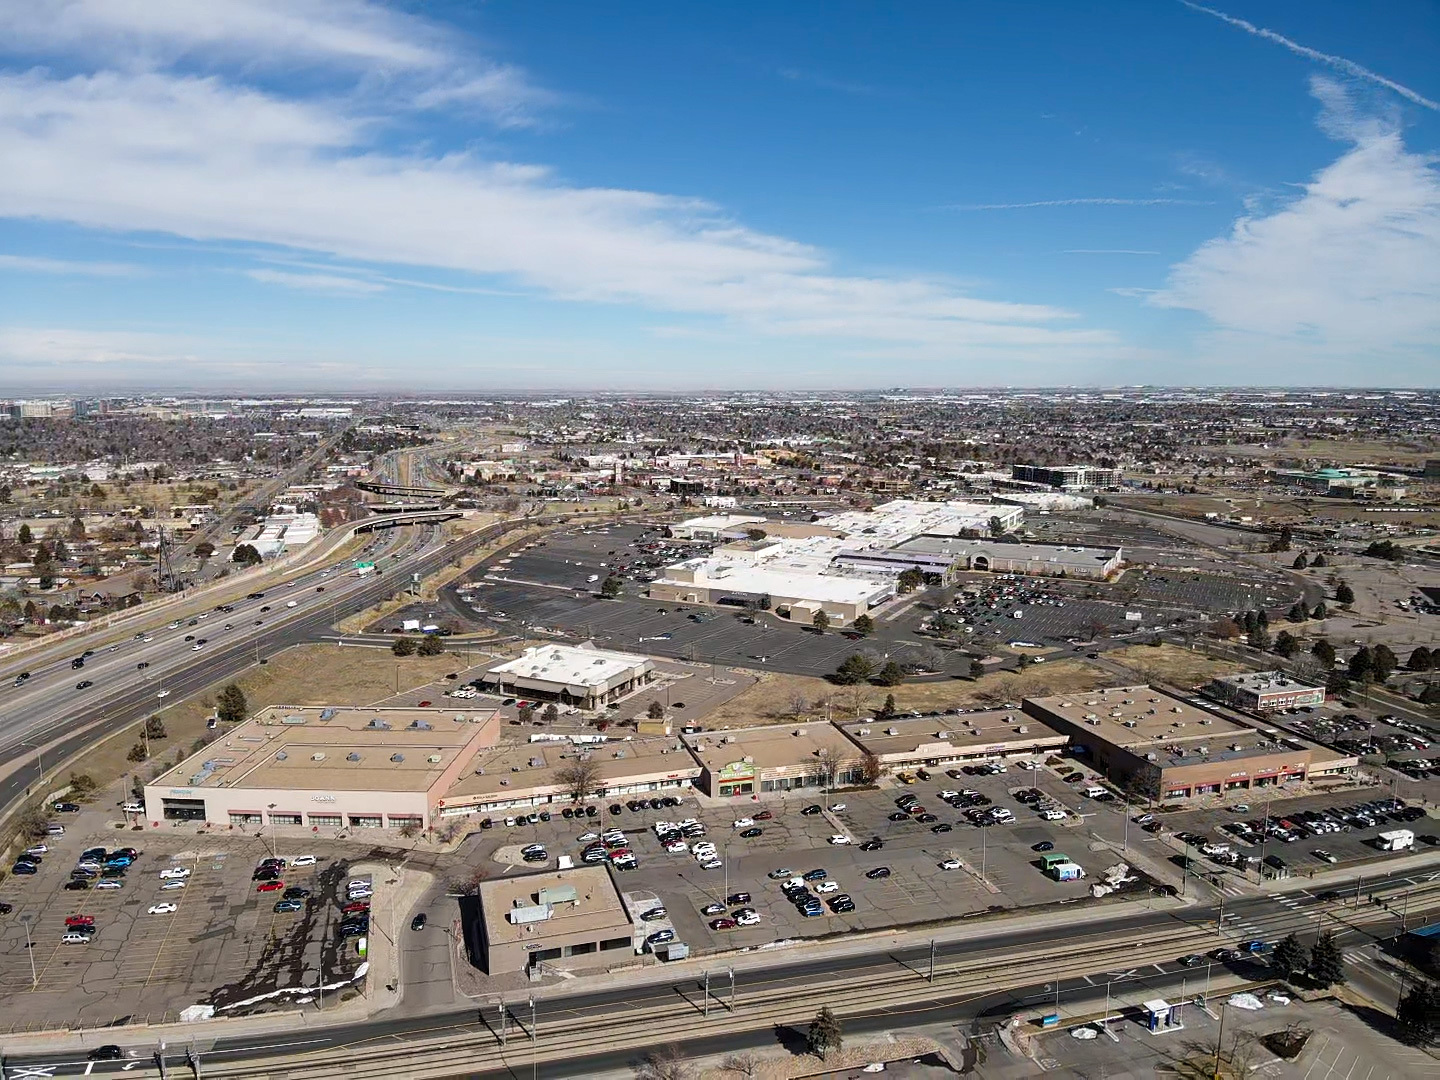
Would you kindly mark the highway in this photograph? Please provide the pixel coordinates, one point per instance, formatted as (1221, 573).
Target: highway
(994, 970)
(47, 708)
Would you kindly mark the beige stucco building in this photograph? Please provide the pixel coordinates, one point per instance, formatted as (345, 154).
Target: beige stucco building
(326, 768)
(577, 916)
(783, 757)
(939, 741)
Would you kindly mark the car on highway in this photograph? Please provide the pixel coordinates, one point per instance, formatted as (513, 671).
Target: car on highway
(142, 665)
(163, 909)
(84, 684)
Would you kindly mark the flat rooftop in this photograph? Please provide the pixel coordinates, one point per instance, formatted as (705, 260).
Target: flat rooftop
(346, 749)
(518, 769)
(900, 519)
(771, 747)
(720, 521)
(741, 577)
(570, 665)
(597, 905)
(1265, 682)
(1146, 721)
(914, 736)
(1059, 555)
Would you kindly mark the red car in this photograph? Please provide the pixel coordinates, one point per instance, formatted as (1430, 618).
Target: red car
(354, 909)
(916, 809)
(80, 920)
(423, 705)
(764, 815)
(622, 853)
(723, 924)
(270, 886)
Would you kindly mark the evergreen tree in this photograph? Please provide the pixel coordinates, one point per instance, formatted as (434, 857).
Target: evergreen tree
(1362, 664)
(977, 669)
(1384, 661)
(1251, 622)
(825, 1033)
(1421, 659)
(1285, 644)
(230, 704)
(1290, 957)
(1259, 638)
(1419, 1015)
(430, 645)
(1262, 617)
(853, 669)
(1318, 560)
(1321, 611)
(1297, 612)
(403, 646)
(821, 621)
(1327, 963)
(25, 536)
(887, 710)
(1344, 595)
(610, 587)
(1300, 562)
(864, 624)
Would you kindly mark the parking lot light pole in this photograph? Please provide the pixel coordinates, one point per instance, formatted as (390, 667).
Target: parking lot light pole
(534, 1033)
(706, 1007)
(30, 951)
(731, 972)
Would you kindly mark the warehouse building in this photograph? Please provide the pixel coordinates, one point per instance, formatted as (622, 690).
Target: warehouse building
(1150, 741)
(571, 918)
(1262, 691)
(943, 741)
(548, 771)
(716, 527)
(726, 580)
(325, 768)
(784, 757)
(945, 557)
(578, 675)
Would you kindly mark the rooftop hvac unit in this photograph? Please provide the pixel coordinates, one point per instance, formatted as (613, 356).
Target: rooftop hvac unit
(327, 714)
(420, 725)
(862, 731)
(397, 758)
(942, 734)
(292, 719)
(378, 725)
(318, 757)
(1207, 720)
(1176, 708)
(800, 733)
(1022, 729)
(1094, 722)
(352, 756)
(891, 731)
(434, 759)
(1129, 701)
(1178, 723)
(1132, 723)
(281, 756)
(1091, 716)
(1152, 757)
(1202, 749)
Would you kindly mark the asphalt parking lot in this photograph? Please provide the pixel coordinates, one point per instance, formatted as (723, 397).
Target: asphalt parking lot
(223, 943)
(1353, 846)
(916, 891)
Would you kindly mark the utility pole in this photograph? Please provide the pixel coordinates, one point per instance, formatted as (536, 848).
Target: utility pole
(534, 1050)
(1219, 1040)
(931, 977)
(732, 993)
(504, 1027)
(707, 994)
(1220, 919)
(30, 951)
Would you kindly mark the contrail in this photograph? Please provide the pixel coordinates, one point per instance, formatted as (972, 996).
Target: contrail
(1083, 202)
(1338, 62)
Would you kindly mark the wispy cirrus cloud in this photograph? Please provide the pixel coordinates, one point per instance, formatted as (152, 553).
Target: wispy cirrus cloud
(219, 156)
(826, 82)
(1339, 63)
(1349, 267)
(1089, 201)
(39, 264)
(1108, 251)
(334, 284)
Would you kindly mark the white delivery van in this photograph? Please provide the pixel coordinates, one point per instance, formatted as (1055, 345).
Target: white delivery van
(1396, 840)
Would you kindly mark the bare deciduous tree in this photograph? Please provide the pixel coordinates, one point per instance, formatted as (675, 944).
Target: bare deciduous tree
(664, 1063)
(746, 1065)
(579, 777)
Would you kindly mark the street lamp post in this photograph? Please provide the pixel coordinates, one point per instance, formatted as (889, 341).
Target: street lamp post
(534, 1051)
(39, 763)
(30, 951)
(273, 852)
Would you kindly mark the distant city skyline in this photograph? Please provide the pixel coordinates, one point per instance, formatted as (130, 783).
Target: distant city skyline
(344, 196)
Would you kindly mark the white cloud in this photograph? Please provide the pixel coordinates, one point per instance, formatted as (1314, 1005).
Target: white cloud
(38, 264)
(1349, 267)
(258, 33)
(206, 160)
(320, 283)
(1092, 201)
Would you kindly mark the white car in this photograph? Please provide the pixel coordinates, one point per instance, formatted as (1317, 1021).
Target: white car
(175, 872)
(840, 839)
(292, 603)
(676, 847)
(109, 883)
(1053, 815)
(838, 807)
(196, 648)
(750, 918)
(711, 864)
(166, 693)
(147, 637)
(303, 860)
(950, 864)
(586, 837)
(827, 887)
(170, 886)
(948, 794)
(164, 909)
(744, 822)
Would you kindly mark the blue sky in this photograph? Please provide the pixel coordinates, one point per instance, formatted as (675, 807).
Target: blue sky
(334, 194)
